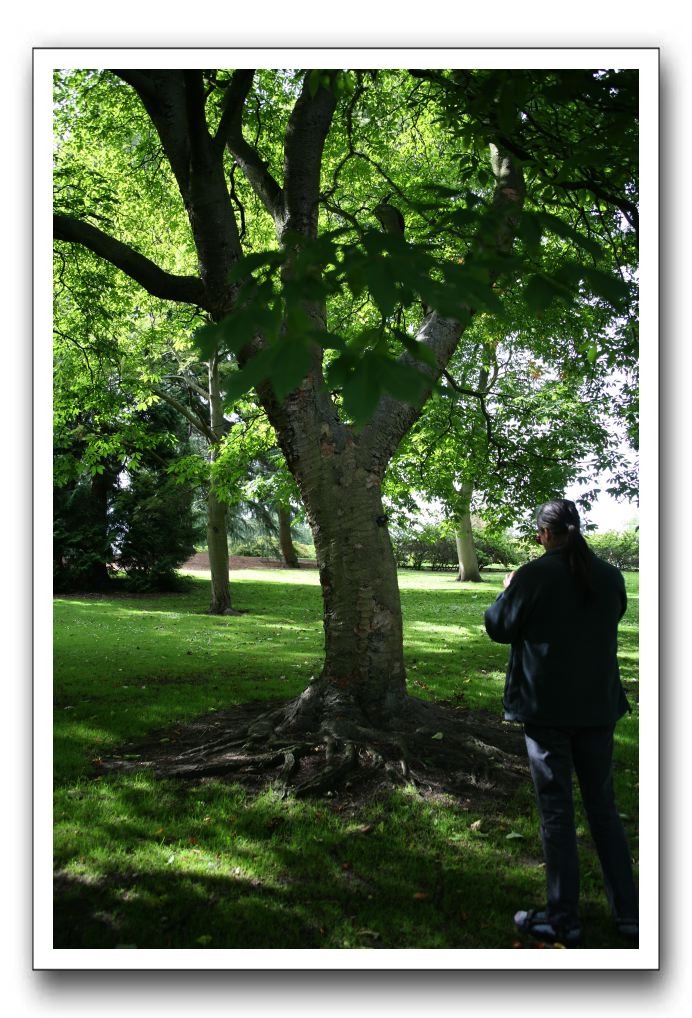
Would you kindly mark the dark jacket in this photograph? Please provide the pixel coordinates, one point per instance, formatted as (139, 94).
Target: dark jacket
(563, 667)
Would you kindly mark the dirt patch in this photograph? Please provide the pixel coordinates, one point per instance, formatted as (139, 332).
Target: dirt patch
(200, 562)
(480, 761)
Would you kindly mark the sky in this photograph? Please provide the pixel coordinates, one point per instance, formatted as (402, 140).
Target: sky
(608, 514)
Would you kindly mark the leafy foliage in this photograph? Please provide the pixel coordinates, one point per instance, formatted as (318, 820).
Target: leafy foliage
(155, 529)
(434, 545)
(621, 549)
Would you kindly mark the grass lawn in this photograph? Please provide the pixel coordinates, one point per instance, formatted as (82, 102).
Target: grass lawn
(142, 862)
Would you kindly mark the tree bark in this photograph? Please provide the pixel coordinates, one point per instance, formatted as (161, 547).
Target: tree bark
(364, 662)
(288, 552)
(217, 537)
(101, 485)
(466, 551)
(217, 544)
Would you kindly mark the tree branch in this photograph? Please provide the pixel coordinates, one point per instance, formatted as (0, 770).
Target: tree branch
(187, 289)
(194, 420)
(190, 383)
(306, 132)
(140, 81)
(230, 133)
(441, 336)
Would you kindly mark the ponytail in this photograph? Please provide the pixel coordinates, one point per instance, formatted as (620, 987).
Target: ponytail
(561, 517)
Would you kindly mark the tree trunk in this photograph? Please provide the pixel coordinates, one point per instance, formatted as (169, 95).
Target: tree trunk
(97, 577)
(364, 663)
(340, 485)
(466, 551)
(217, 537)
(217, 544)
(288, 552)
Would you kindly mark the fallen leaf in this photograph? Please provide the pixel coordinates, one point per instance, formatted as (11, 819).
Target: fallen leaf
(363, 829)
(204, 939)
(170, 859)
(346, 866)
(420, 896)
(476, 825)
(193, 840)
(161, 830)
(438, 735)
(512, 835)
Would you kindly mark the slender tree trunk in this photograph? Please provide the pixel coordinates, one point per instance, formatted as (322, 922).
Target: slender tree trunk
(288, 552)
(101, 485)
(466, 551)
(217, 537)
(217, 544)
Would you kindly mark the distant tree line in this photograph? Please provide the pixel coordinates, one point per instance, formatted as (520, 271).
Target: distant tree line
(433, 546)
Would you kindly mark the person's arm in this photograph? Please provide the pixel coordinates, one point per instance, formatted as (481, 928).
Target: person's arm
(504, 617)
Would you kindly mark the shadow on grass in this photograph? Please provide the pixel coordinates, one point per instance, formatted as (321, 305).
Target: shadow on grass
(272, 874)
(166, 865)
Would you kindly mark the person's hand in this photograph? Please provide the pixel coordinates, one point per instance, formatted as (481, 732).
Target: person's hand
(507, 580)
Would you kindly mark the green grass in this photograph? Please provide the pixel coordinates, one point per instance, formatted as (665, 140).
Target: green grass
(155, 863)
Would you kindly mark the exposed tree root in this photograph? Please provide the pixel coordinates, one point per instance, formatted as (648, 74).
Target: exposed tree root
(317, 744)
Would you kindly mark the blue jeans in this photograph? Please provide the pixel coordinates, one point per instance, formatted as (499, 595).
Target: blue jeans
(553, 752)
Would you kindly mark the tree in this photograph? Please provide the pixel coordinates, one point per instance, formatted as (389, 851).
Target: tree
(270, 309)
(514, 431)
(104, 155)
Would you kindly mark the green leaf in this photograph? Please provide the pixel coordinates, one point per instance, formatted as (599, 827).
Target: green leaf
(246, 265)
(206, 339)
(402, 381)
(383, 289)
(419, 350)
(607, 285)
(257, 369)
(567, 232)
(530, 230)
(314, 82)
(290, 365)
(361, 392)
(341, 368)
(541, 290)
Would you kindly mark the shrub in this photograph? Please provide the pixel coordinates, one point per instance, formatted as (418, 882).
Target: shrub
(82, 535)
(493, 548)
(257, 547)
(156, 533)
(434, 545)
(620, 549)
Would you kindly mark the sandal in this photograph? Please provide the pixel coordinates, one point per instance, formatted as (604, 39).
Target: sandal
(537, 925)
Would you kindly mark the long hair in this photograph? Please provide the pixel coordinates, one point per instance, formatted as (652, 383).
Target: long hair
(560, 517)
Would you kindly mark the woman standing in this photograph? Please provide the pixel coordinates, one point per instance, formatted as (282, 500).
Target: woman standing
(560, 614)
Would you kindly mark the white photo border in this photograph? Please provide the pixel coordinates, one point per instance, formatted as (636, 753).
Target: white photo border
(646, 61)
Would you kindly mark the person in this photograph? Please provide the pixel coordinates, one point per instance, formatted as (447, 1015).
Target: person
(560, 614)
